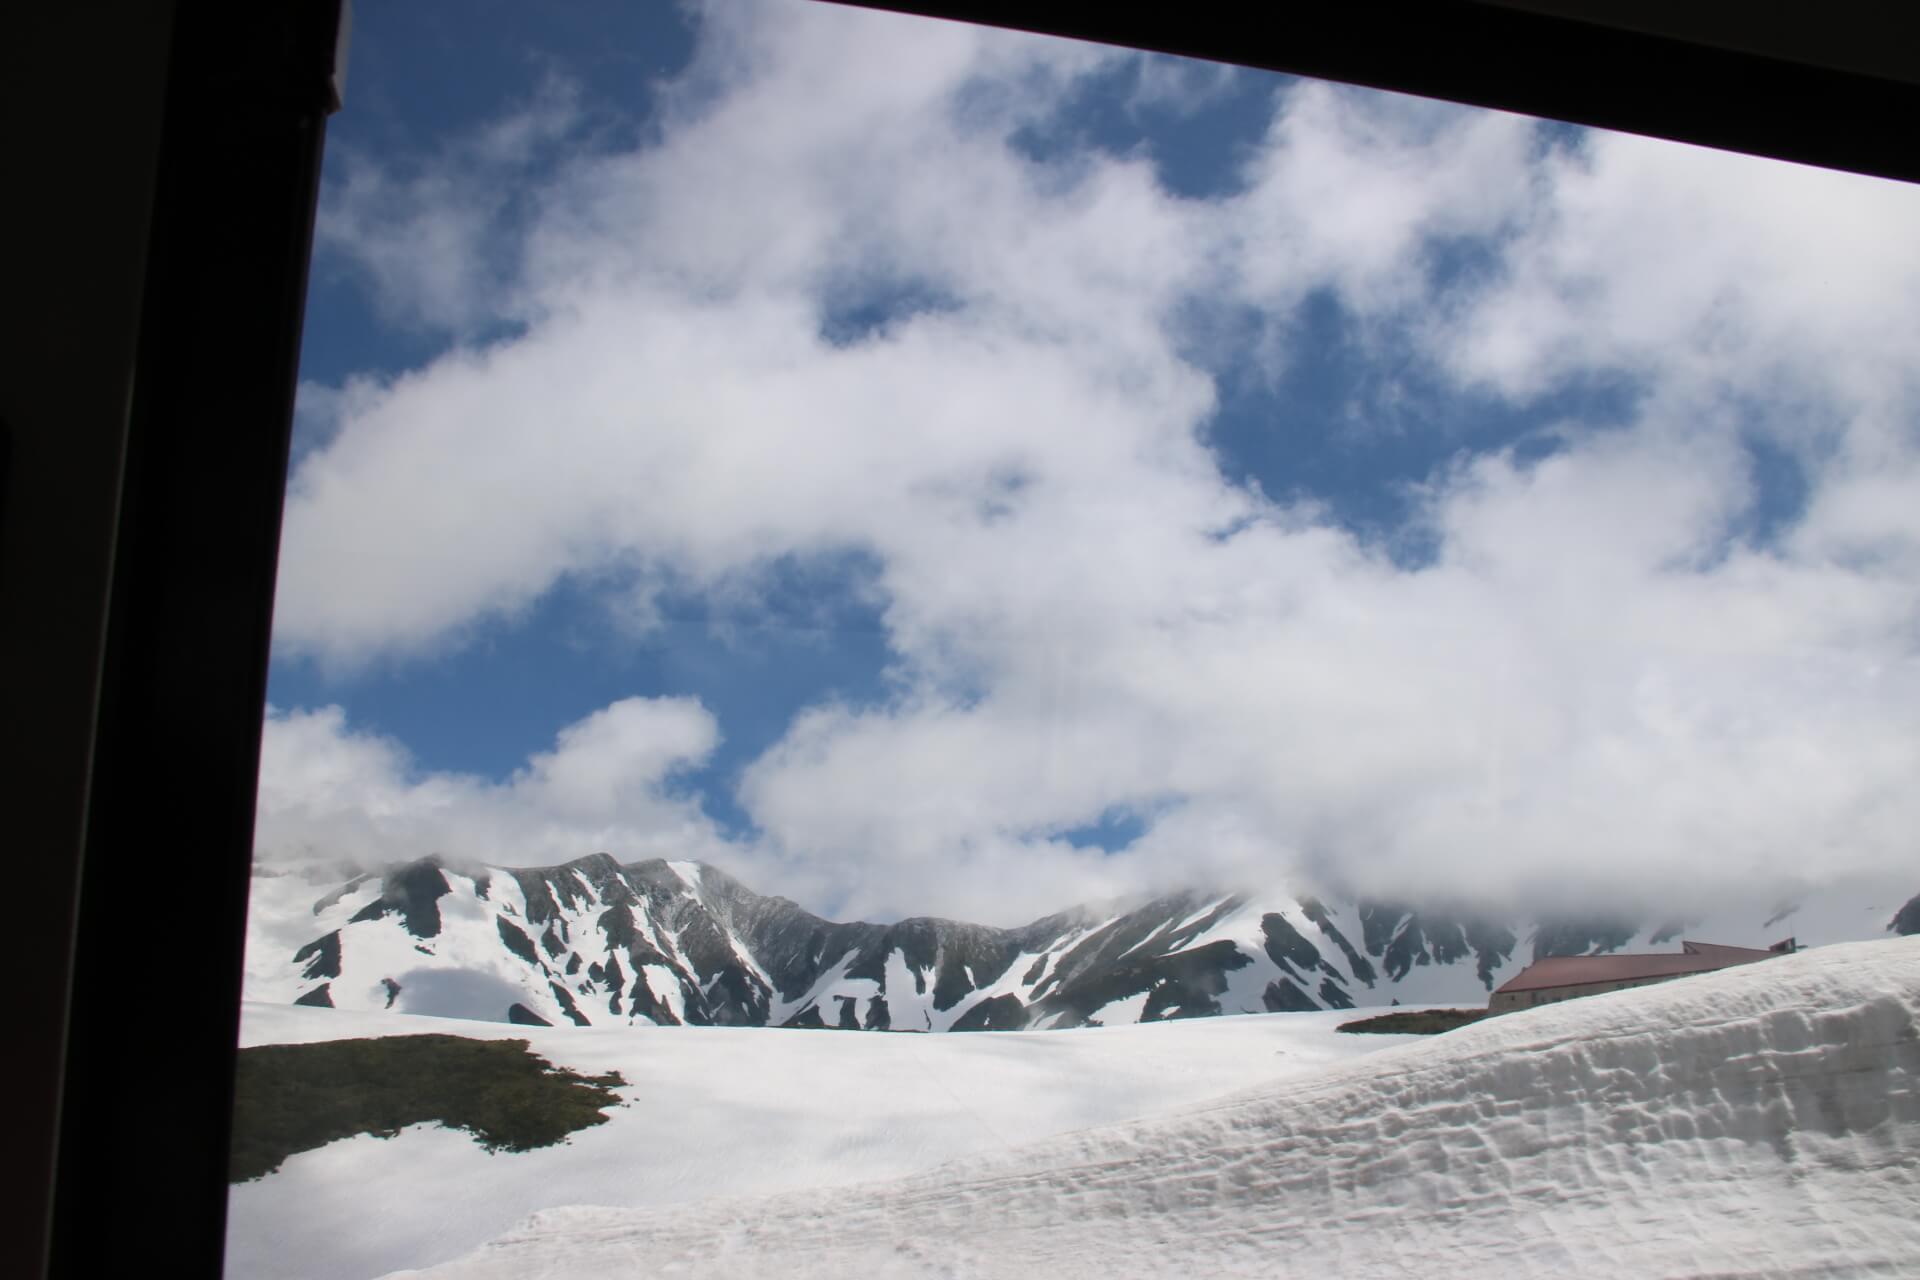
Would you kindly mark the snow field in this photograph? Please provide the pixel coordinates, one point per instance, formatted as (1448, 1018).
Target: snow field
(717, 1111)
(1762, 1121)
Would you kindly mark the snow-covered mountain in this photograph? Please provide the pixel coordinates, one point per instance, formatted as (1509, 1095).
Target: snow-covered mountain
(593, 942)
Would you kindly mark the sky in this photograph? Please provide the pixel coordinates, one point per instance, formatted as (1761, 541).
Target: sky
(928, 470)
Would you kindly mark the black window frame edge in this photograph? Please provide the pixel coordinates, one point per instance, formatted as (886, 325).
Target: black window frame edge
(144, 1117)
(140, 1167)
(1520, 60)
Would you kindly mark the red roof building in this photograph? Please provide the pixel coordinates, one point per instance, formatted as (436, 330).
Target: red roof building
(1556, 978)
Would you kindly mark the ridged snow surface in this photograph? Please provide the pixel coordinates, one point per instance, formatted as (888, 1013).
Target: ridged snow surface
(729, 1111)
(1761, 1121)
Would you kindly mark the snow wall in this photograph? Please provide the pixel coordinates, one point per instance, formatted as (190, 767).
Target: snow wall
(1761, 1121)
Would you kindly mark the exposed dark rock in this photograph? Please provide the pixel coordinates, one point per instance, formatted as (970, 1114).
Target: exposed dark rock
(538, 895)
(1492, 944)
(1162, 1002)
(517, 941)
(969, 957)
(567, 1005)
(643, 1003)
(1408, 948)
(393, 990)
(1181, 934)
(1358, 965)
(999, 1013)
(1281, 996)
(1334, 996)
(321, 997)
(1285, 945)
(322, 956)
(1569, 937)
(1101, 952)
(413, 892)
(1906, 921)
(1379, 921)
(623, 934)
(1404, 938)
(341, 892)
(519, 1013)
(1191, 980)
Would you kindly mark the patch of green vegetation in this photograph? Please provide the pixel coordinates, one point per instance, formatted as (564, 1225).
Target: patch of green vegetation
(290, 1098)
(1426, 1022)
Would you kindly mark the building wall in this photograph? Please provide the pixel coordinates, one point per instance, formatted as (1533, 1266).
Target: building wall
(1508, 1001)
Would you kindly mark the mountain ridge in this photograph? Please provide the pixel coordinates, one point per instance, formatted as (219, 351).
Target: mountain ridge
(597, 942)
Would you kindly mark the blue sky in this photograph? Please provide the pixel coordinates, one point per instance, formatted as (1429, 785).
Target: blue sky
(934, 470)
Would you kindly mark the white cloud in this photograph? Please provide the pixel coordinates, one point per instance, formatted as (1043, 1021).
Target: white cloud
(1715, 270)
(1590, 683)
(1354, 191)
(330, 792)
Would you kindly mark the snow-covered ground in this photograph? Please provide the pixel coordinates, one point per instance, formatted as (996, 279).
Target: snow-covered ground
(718, 1112)
(1763, 1121)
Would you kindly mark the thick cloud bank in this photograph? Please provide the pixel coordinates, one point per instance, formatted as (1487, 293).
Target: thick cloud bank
(328, 792)
(839, 303)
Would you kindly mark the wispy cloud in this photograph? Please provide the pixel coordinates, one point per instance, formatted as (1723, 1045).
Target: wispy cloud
(435, 237)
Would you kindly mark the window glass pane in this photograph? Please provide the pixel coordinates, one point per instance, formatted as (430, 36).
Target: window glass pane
(813, 519)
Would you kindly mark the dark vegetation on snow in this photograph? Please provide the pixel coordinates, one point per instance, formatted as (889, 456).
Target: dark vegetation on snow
(1425, 1022)
(290, 1098)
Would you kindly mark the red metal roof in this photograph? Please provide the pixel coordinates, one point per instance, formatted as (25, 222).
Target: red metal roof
(1576, 971)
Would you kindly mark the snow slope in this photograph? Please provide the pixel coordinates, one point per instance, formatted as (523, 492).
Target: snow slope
(717, 1111)
(1759, 1121)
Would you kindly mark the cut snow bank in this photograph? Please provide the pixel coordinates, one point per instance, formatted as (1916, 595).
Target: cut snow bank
(729, 1111)
(1759, 1121)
